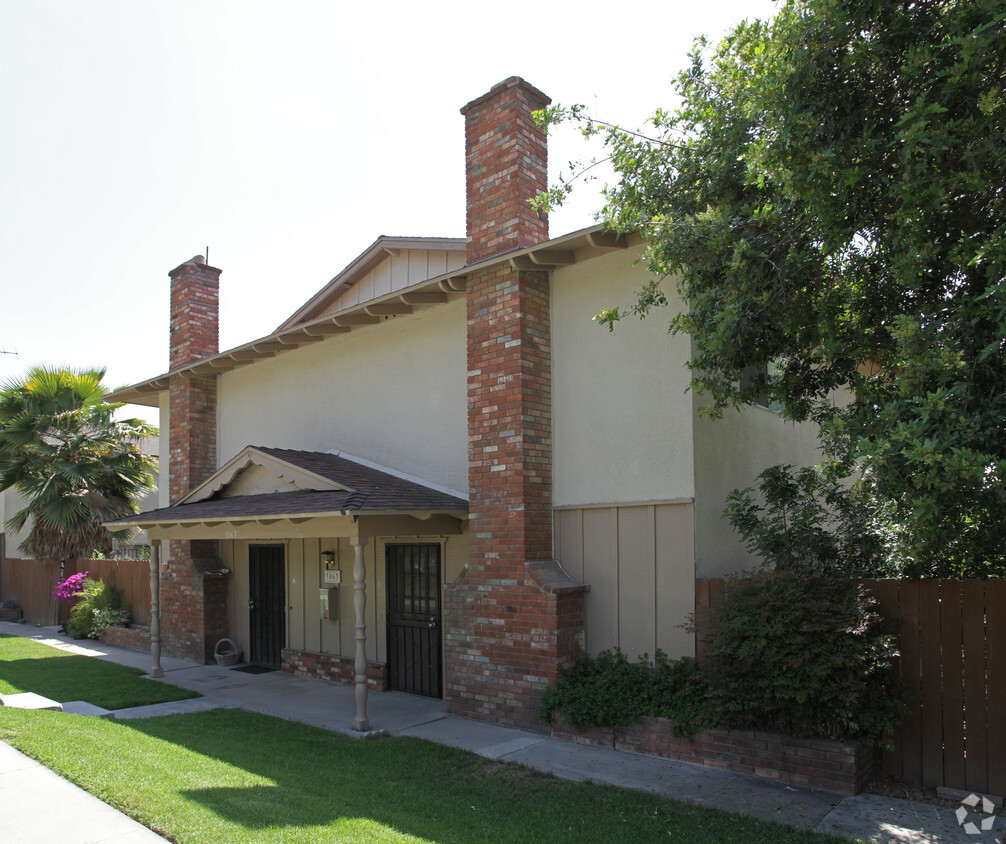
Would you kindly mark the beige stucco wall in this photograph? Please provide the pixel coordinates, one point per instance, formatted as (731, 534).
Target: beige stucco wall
(622, 421)
(623, 473)
(393, 393)
(163, 476)
(729, 454)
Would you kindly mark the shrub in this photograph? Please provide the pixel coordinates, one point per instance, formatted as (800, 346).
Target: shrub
(99, 605)
(809, 522)
(805, 656)
(610, 691)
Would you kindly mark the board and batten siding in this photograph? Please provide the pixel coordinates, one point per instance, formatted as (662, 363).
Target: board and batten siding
(400, 270)
(305, 629)
(639, 562)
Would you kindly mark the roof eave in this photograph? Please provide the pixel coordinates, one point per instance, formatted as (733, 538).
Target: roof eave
(363, 264)
(548, 255)
(147, 524)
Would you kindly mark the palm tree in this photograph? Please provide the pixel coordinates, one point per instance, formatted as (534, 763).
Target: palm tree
(72, 461)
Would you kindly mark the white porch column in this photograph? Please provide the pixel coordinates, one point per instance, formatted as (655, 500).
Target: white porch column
(155, 609)
(359, 543)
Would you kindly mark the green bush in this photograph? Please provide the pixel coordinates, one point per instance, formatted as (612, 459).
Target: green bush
(808, 521)
(805, 656)
(99, 606)
(610, 691)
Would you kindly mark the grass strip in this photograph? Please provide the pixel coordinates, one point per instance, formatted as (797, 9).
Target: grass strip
(27, 666)
(234, 776)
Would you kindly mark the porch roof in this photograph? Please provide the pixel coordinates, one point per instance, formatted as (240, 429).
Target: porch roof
(362, 490)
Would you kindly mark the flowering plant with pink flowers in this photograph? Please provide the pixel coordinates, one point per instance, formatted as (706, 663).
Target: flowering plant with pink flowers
(71, 588)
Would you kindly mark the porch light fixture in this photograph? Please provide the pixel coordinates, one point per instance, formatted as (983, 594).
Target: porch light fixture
(328, 557)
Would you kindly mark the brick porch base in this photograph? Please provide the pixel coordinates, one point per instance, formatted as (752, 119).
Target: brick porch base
(339, 669)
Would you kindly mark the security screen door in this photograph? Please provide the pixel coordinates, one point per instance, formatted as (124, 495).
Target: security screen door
(266, 604)
(414, 652)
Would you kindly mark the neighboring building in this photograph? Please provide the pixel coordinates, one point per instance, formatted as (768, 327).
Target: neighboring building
(440, 474)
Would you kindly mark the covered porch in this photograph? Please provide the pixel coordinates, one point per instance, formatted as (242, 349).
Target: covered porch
(297, 576)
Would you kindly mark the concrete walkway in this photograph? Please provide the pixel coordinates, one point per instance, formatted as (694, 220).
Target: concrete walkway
(28, 791)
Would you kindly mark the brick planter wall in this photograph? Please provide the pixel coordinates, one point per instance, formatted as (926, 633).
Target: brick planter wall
(132, 638)
(339, 669)
(835, 766)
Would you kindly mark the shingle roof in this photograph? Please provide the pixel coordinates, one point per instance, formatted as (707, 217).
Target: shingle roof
(370, 490)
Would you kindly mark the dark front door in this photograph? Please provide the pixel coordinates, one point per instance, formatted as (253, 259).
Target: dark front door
(266, 604)
(414, 654)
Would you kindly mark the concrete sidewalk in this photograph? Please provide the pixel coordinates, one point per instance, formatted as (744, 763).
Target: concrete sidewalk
(39, 807)
(26, 802)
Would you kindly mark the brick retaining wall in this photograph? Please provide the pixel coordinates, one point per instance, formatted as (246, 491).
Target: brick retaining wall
(132, 638)
(842, 767)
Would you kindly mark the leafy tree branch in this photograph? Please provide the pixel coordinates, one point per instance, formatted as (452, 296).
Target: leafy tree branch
(829, 199)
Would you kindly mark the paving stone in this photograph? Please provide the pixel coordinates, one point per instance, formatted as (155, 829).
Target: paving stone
(82, 707)
(888, 820)
(29, 700)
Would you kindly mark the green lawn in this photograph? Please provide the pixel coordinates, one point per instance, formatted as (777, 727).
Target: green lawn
(27, 666)
(233, 776)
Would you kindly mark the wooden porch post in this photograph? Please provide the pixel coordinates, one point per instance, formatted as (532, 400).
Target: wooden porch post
(155, 609)
(361, 722)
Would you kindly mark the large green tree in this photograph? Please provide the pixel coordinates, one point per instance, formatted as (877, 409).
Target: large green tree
(75, 464)
(830, 199)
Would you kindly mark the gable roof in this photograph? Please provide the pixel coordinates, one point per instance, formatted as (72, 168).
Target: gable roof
(283, 464)
(380, 251)
(353, 488)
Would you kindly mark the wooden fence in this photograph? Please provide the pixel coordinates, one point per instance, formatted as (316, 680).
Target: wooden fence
(952, 640)
(951, 635)
(30, 583)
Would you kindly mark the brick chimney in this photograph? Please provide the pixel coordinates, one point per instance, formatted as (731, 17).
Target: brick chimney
(515, 620)
(195, 311)
(194, 605)
(506, 160)
(195, 333)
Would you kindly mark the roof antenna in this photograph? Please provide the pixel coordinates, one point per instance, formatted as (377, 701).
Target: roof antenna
(207, 256)
(5, 352)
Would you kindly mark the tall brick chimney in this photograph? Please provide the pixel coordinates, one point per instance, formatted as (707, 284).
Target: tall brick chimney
(506, 160)
(195, 335)
(515, 620)
(195, 605)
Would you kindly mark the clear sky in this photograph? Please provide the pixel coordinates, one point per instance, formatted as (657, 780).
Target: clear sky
(284, 136)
